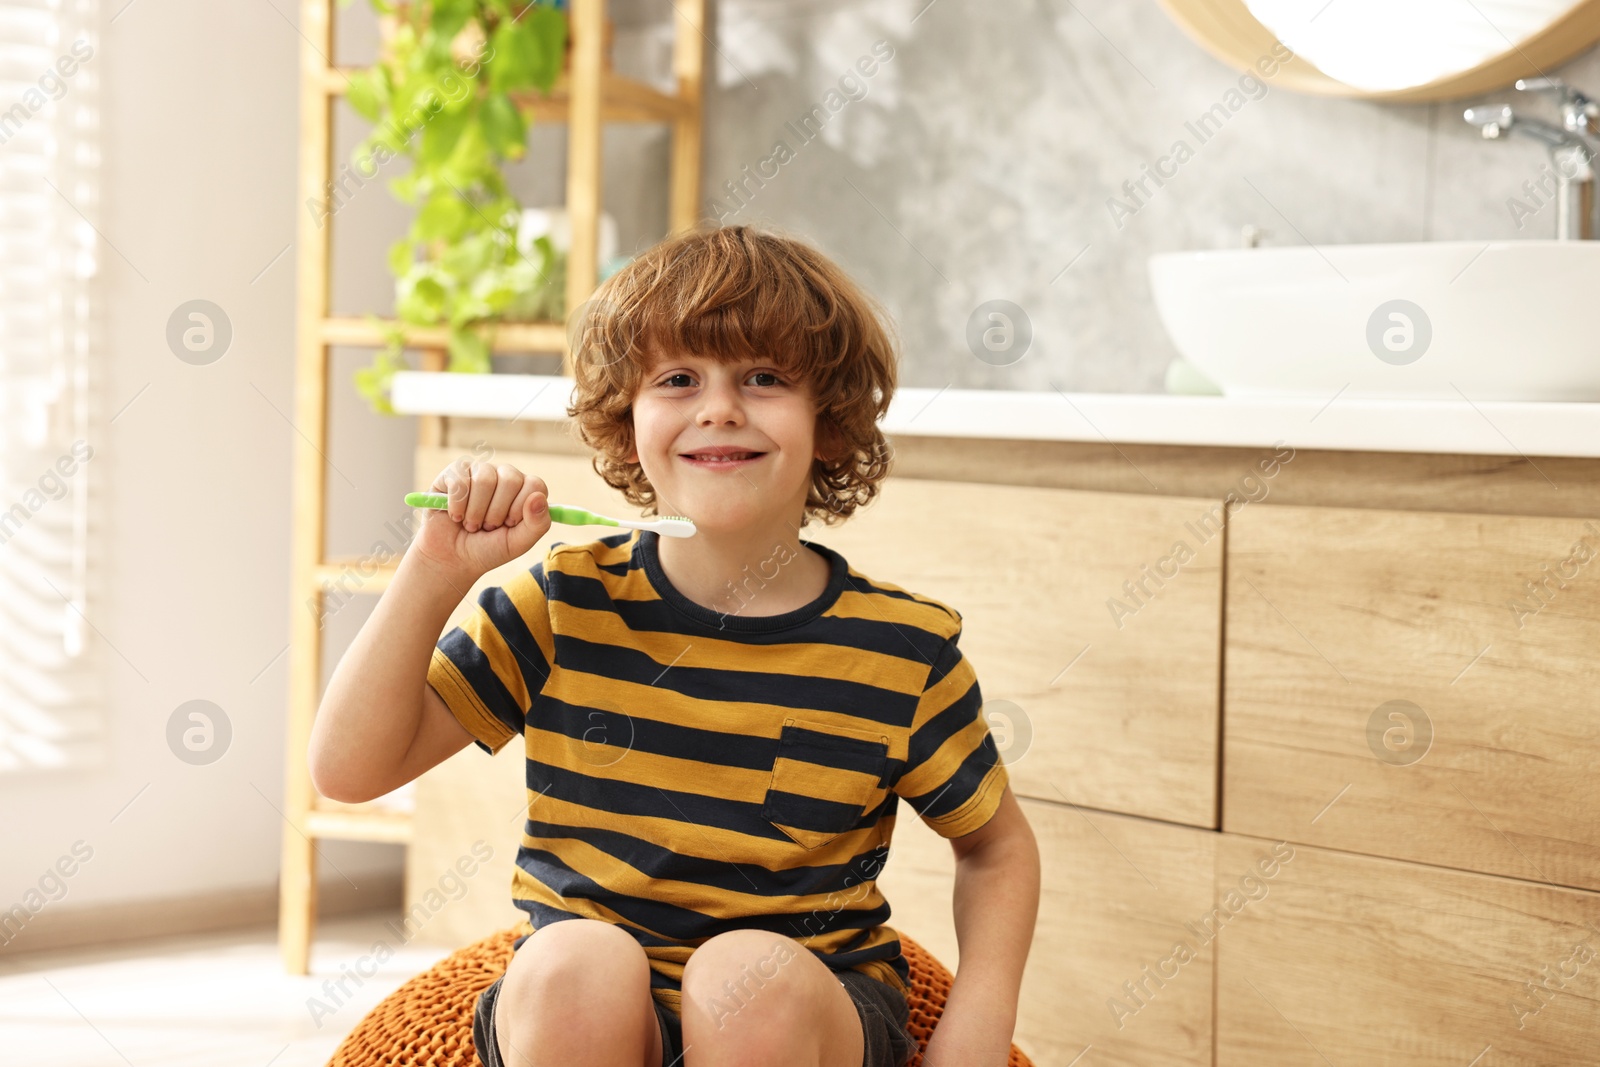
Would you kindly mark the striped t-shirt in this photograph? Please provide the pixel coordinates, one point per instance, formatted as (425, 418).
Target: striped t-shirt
(693, 771)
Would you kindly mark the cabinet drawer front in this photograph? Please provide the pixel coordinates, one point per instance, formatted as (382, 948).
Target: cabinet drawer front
(1392, 688)
(1098, 695)
(1116, 894)
(1357, 960)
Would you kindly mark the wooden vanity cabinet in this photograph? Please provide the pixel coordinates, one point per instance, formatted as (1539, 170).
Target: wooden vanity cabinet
(1336, 671)
(1394, 688)
(1117, 895)
(1350, 959)
(1093, 621)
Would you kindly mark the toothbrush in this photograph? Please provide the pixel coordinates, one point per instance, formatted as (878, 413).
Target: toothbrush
(667, 525)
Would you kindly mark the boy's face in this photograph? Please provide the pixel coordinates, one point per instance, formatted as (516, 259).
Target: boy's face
(690, 404)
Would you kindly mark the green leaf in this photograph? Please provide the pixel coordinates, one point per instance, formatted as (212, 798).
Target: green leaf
(469, 352)
(549, 28)
(503, 127)
(468, 258)
(528, 52)
(404, 187)
(420, 299)
(447, 19)
(366, 94)
(443, 217)
(440, 135)
(470, 164)
(376, 381)
(402, 256)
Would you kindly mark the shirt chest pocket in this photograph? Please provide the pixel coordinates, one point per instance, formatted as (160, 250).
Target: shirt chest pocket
(825, 780)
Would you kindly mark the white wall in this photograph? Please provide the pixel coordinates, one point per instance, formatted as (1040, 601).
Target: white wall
(199, 115)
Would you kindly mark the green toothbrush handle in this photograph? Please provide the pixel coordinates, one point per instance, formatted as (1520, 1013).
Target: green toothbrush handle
(579, 517)
(558, 512)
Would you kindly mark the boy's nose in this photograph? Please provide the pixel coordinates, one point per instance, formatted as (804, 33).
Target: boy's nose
(719, 403)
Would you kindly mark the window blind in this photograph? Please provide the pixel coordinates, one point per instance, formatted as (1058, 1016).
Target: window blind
(50, 705)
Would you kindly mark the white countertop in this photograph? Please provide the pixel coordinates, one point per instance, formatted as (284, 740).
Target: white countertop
(1484, 427)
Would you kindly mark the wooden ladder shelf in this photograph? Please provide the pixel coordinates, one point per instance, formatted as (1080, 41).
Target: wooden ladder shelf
(585, 98)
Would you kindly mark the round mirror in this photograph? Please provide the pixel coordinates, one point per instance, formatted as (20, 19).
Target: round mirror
(1399, 50)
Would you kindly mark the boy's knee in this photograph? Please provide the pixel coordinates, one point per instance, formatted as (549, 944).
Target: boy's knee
(732, 971)
(565, 975)
(573, 956)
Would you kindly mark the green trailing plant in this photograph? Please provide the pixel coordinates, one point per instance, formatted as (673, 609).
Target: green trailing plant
(443, 95)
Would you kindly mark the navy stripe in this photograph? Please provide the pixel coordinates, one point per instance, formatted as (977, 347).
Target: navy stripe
(936, 731)
(663, 864)
(941, 801)
(880, 635)
(654, 914)
(880, 705)
(811, 813)
(621, 797)
(542, 915)
(833, 750)
(602, 727)
(474, 667)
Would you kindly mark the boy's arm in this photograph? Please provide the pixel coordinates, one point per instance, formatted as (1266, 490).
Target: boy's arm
(373, 710)
(996, 903)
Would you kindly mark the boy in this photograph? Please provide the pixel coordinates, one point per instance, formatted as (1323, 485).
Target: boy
(713, 779)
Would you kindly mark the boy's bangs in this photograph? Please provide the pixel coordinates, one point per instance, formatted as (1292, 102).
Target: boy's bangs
(732, 312)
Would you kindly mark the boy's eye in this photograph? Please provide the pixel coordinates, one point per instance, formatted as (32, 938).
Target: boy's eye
(673, 380)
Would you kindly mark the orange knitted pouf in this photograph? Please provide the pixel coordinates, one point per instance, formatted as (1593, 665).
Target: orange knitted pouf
(428, 1021)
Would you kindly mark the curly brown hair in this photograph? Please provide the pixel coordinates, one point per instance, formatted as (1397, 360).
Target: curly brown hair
(727, 293)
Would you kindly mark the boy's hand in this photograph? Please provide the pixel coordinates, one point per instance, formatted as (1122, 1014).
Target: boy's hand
(496, 514)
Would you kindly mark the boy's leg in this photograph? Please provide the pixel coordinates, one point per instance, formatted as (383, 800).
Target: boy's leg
(752, 996)
(576, 993)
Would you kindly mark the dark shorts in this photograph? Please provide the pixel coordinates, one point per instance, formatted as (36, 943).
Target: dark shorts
(881, 1007)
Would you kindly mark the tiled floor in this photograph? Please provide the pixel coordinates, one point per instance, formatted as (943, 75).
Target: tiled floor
(212, 1000)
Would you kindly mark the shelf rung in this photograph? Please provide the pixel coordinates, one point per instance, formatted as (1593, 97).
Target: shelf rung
(622, 99)
(508, 336)
(360, 826)
(344, 573)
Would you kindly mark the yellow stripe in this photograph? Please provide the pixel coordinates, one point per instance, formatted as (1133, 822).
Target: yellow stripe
(737, 718)
(985, 801)
(619, 877)
(855, 602)
(529, 601)
(859, 602)
(615, 761)
(463, 702)
(526, 888)
(939, 767)
(673, 650)
(710, 842)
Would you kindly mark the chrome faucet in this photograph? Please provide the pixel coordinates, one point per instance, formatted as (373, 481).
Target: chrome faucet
(1572, 147)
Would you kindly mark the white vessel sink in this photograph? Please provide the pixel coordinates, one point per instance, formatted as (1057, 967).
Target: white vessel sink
(1484, 320)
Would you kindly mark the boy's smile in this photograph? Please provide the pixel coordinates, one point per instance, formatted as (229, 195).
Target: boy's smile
(730, 446)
